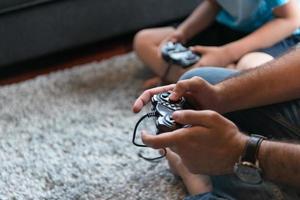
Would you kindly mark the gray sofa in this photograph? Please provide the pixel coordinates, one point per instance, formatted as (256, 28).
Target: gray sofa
(31, 29)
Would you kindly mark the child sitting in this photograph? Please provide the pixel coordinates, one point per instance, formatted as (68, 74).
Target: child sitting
(237, 34)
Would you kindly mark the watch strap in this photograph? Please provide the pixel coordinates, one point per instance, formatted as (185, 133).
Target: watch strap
(252, 148)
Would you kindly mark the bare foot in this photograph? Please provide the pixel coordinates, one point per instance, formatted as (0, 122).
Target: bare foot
(195, 183)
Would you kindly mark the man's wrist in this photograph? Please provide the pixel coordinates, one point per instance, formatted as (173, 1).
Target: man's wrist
(237, 151)
(262, 154)
(222, 104)
(248, 169)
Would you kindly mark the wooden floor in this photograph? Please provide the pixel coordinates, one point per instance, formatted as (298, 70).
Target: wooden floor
(98, 52)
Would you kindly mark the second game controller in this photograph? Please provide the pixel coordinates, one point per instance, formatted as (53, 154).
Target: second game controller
(176, 53)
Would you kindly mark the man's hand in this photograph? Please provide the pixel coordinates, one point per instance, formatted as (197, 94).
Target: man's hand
(199, 93)
(213, 56)
(146, 96)
(212, 145)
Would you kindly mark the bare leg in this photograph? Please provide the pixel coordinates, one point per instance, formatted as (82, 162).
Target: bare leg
(252, 60)
(147, 46)
(195, 183)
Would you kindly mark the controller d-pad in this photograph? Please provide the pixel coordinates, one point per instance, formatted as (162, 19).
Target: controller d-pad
(165, 104)
(170, 119)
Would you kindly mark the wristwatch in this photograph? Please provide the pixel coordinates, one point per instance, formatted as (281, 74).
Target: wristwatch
(247, 168)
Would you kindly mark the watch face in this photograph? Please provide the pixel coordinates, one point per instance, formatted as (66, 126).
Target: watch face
(248, 173)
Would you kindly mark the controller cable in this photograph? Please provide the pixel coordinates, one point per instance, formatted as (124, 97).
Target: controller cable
(148, 115)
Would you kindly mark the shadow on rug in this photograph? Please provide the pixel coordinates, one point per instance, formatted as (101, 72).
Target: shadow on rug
(67, 135)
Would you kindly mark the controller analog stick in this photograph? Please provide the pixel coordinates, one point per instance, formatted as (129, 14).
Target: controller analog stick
(170, 119)
(165, 95)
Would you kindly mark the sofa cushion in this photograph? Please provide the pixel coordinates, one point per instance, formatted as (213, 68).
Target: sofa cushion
(60, 25)
(12, 5)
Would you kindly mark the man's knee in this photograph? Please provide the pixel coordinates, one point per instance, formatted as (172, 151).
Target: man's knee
(212, 75)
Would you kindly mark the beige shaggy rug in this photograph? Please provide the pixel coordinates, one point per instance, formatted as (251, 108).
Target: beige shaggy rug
(67, 135)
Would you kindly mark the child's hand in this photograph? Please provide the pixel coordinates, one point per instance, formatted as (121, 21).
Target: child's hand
(213, 56)
(176, 36)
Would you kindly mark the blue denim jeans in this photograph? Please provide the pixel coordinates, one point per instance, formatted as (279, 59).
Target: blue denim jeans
(278, 121)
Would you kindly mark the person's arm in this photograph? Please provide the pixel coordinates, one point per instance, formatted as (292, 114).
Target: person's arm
(280, 162)
(286, 21)
(274, 82)
(200, 19)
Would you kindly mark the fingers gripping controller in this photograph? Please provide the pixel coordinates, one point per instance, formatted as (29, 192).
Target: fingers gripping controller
(166, 124)
(162, 110)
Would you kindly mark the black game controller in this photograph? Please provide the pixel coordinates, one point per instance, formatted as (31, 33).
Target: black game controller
(163, 108)
(176, 53)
